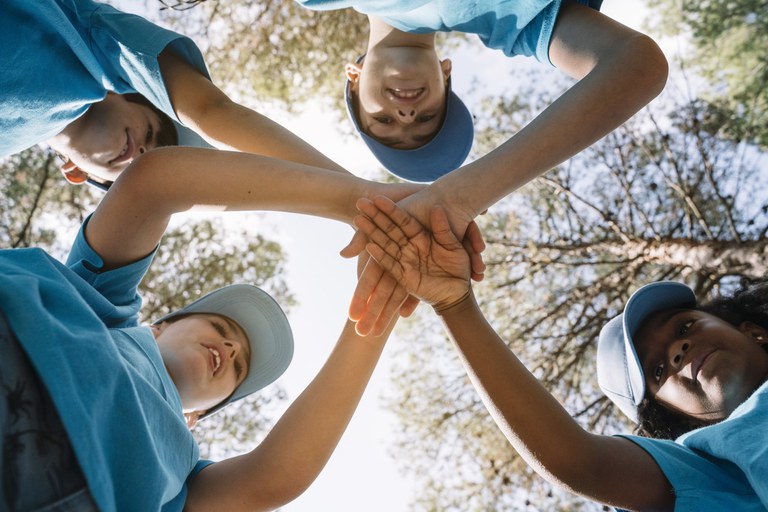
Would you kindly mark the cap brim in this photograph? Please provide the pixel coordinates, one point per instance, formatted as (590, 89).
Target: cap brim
(265, 325)
(444, 153)
(620, 373)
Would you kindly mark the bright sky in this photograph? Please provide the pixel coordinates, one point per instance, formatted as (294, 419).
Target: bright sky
(361, 475)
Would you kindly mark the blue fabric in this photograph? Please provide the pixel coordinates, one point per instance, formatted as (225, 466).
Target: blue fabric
(104, 373)
(720, 467)
(519, 27)
(60, 56)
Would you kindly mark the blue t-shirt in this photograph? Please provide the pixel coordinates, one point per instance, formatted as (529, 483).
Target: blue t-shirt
(60, 56)
(519, 27)
(104, 373)
(720, 467)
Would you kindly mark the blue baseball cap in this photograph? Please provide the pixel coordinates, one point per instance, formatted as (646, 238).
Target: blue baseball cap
(619, 372)
(265, 325)
(444, 153)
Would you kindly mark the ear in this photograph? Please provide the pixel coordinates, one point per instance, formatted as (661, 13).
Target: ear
(73, 173)
(756, 332)
(353, 71)
(192, 418)
(447, 67)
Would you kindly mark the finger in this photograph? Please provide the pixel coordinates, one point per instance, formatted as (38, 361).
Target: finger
(378, 303)
(404, 220)
(441, 228)
(476, 263)
(381, 220)
(475, 236)
(409, 306)
(377, 237)
(365, 287)
(390, 264)
(355, 246)
(390, 310)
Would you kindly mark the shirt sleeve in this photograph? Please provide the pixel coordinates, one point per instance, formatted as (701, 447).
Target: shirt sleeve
(118, 286)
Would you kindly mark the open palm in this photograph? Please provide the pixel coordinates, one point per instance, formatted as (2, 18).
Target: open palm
(434, 266)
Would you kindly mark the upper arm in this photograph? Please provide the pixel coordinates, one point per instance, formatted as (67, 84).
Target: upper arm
(583, 37)
(622, 474)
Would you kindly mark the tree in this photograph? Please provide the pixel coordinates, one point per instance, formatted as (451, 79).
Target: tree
(729, 41)
(663, 197)
(264, 51)
(39, 209)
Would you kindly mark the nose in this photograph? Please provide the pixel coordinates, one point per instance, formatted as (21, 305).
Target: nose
(233, 348)
(142, 149)
(677, 352)
(406, 116)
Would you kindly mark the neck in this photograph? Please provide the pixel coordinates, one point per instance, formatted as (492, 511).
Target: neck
(383, 35)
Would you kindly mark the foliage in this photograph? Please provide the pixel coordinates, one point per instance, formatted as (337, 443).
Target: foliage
(729, 40)
(276, 49)
(663, 197)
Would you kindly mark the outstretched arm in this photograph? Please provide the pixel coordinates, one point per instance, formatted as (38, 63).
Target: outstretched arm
(298, 447)
(603, 468)
(225, 124)
(619, 71)
(133, 215)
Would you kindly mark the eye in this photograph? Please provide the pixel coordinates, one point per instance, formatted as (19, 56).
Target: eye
(658, 372)
(150, 133)
(425, 118)
(383, 120)
(238, 369)
(219, 327)
(684, 328)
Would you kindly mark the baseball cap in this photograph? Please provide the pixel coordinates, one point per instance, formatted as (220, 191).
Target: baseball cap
(265, 325)
(445, 152)
(619, 373)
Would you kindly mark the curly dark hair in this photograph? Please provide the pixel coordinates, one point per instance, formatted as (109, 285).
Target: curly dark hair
(748, 304)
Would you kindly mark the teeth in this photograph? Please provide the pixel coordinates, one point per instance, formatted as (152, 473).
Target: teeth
(408, 94)
(216, 359)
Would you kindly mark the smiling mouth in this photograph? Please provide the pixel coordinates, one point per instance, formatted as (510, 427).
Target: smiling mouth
(126, 153)
(215, 359)
(407, 95)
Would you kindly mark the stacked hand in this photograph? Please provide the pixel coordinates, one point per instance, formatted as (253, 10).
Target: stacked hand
(434, 267)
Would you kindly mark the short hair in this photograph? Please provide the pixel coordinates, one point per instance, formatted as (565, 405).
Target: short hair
(748, 304)
(166, 134)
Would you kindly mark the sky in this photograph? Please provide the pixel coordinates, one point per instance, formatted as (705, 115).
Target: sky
(362, 474)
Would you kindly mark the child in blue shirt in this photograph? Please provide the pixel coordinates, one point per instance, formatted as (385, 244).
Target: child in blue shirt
(676, 367)
(102, 86)
(95, 408)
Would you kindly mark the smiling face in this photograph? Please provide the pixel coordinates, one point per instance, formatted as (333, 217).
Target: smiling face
(104, 140)
(698, 364)
(400, 95)
(207, 357)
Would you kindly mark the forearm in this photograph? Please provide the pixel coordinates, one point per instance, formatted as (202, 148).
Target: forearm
(205, 108)
(602, 468)
(298, 447)
(231, 126)
(619, 71)
(134, 214)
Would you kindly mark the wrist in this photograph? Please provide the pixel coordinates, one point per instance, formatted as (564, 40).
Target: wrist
(455, 304)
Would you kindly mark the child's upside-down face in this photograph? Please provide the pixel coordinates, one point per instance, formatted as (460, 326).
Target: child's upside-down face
(698, 364)
(400, 96)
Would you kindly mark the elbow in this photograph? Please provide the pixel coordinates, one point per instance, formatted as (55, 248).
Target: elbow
(647, 65)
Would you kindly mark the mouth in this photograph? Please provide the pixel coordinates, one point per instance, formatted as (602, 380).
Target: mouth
(405, 95)
(697, 363)
(126, 153)
(214, 359)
